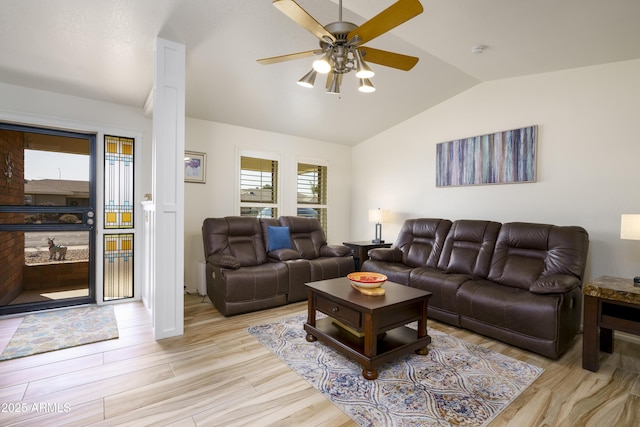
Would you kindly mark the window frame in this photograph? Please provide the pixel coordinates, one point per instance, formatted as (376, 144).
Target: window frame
(276, 204)
(322, 204)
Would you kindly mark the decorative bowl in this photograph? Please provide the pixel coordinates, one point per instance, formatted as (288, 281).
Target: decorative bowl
(366, 279)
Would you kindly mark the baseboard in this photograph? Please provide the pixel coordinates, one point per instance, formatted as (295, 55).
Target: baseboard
(634, 339)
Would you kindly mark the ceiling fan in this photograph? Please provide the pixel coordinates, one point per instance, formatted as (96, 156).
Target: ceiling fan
(341, 44)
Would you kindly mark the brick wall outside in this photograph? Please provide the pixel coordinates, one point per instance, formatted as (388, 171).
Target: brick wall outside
(11, 193)
(46, 276)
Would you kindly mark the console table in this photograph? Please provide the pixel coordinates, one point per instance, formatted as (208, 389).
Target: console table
(359, 250)
(610, 303)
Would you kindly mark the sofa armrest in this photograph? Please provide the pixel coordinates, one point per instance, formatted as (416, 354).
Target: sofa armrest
(554, 284)
(224, 261)
(386, 254)
(284, 254)
(334, 250)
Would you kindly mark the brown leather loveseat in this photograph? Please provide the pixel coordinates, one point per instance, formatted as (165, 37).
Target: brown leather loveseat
(254, 264)
(517, 282)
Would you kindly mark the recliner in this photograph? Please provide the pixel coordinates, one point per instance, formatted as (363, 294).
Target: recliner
(239, 276)
(517, 282)
(243, 276)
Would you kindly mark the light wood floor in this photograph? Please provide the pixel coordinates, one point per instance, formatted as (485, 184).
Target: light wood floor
(216, 374)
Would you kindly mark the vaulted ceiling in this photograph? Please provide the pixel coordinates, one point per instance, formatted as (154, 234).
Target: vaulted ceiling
(104, 50)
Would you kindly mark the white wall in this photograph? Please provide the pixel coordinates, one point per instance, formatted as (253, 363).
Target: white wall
(218, 198)
(587, 165)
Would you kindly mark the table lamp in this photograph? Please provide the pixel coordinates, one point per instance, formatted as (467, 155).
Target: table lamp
(630, 230)
(375, 216)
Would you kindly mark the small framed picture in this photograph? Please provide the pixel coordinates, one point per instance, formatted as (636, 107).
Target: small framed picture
(195, 167)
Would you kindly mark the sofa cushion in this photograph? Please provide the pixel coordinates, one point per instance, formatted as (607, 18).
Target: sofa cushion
(443, 287)
(323, 268)
(239, 237)
(527, 252)
(509, 308)
(468, 247)
(279, 238)
(260, 281)
(421, 241)
(307, 235)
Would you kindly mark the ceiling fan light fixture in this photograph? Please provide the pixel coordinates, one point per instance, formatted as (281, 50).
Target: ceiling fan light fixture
(362, 69)
(323, 65)
(341, 43)
(366, 86)
(334, 86)
(308, 79)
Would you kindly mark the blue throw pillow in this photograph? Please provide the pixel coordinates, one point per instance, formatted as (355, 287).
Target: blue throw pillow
(278, 238)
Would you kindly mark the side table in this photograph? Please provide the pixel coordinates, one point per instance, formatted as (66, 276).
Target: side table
(359, 250)
(610, 303)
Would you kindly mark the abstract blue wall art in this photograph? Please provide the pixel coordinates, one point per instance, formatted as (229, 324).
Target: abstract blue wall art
(497, 158)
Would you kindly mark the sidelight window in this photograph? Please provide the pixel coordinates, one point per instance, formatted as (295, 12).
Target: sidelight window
(118, 218)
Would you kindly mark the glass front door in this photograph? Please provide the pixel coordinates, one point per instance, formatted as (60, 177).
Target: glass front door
(47, 218)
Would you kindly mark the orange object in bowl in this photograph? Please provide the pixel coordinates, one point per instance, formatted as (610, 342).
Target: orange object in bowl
(366, 279)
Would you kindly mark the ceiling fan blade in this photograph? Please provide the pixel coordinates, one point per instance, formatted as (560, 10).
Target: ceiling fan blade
(388, 59)
(302, 18)
(289, 57)
(396, 14)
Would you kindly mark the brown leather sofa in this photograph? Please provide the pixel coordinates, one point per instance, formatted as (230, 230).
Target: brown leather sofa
(244, 275)
(517, 282)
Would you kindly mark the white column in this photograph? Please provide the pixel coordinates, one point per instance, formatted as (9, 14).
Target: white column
(168, 188)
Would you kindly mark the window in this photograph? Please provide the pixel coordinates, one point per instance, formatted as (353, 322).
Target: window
(258, 187)
(118, 179)
(118, 214)
(312, 192)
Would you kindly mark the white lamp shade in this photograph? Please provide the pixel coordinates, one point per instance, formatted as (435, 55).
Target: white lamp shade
(630, 227)
(375, 215)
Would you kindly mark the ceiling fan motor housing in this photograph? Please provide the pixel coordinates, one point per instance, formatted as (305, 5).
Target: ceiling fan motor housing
(342, 54)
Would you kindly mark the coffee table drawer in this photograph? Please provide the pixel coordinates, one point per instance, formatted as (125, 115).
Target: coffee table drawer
(339, 312)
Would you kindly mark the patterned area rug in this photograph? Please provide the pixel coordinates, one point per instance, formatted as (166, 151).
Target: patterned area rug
(456, 384)
(55, 330)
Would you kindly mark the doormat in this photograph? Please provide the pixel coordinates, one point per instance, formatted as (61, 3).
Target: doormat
(456, 384)
(55, 330)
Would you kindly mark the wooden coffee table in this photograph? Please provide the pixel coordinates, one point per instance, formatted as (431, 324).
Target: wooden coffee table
(370, 329)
